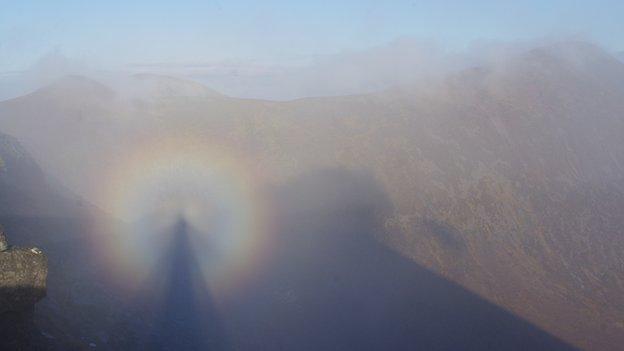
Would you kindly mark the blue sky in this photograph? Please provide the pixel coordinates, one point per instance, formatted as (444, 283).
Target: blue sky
(187, 31)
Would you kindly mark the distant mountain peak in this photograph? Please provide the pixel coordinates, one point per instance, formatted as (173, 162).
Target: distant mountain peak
(137, 86)
(78, 85)
(577, 53)
(148, 85)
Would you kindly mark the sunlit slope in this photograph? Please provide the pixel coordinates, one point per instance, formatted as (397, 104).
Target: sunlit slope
(506, 178)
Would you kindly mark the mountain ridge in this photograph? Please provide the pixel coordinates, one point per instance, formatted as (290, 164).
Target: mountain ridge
(505, 179)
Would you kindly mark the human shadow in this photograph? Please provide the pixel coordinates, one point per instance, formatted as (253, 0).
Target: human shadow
(183, 312)
(332, 285)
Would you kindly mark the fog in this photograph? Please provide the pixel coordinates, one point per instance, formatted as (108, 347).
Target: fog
(401, 62)
(405, 194)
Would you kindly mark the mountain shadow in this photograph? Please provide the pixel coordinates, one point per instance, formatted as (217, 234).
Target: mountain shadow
(332, 286)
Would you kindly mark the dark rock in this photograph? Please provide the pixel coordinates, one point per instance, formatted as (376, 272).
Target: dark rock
(23, 273)
(3, 242)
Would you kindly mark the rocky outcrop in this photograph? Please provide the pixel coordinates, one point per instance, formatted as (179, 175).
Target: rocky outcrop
(23, 273)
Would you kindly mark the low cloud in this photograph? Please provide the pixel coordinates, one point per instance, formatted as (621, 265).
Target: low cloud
(405, 61)
(44, 71)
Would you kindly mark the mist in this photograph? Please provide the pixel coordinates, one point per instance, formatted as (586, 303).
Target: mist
(402, 62)
(163, 187)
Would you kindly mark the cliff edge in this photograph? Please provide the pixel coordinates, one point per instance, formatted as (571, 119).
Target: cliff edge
(23, 273)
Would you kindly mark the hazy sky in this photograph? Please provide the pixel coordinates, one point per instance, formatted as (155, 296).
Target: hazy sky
(116, 32)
